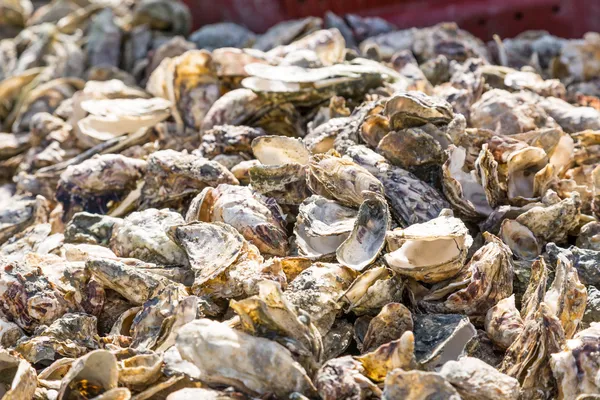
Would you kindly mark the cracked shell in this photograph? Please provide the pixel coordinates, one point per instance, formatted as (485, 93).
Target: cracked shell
(429, 252)
(407, 109)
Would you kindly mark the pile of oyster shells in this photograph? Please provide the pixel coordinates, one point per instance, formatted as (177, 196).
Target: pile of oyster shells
(334, 209)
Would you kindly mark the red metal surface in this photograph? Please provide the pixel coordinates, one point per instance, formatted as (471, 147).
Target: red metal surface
(565, 18)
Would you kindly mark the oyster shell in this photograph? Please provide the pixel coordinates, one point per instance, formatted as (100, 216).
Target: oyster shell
(576, 366)
(184, 174)
(93, 374)
(440, 337)
(367, 238)
(417, 385)
(390, 324)
(18, 377)
(259, 219)
(251, 364)
(71, 335)
(503, 322)
(474, 379)
(322, 226)
(343, 378)
(429, 252)
(317, 291)
(143, 235)
(340, 179)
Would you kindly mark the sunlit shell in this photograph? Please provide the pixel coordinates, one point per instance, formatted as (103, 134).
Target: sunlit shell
(185, 175)
(503, 322)
(372, 290)
(390, 324)
(384, 359)
(93, 373)
(328, 44)
(430, 252)
(576, 366)
(474, 379)
(259, 219)
(411, 200)
(317, 290)
(271, 316)
(405, 109)
(227, 356)
(18, 377)
(71, 335)
(520, 239)
(522, 168)
(553, 223)
(566, 297)
(274, 150)
(143, 235)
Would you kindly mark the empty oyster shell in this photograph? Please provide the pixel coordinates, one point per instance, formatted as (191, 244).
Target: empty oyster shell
(485, 280)
(93, 374)
(520, 240)
(155, 326)
(90, 228)
(474, 379)
(18, 378)
(372, 290)
(110, 118)
(566, 297)
(417, 385)
(429, 252)
(340, 179)
(252, 364)
(95, 183)
(503, 322)
(527, 358)
(285, 183)
(134, 284)
(210, 247)
(322, 226)
(416, 108)
(140, 370)
(553, 223)
(31, 305)
(328, 44)
(259, 219)
(367, 238)
(463, 189)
